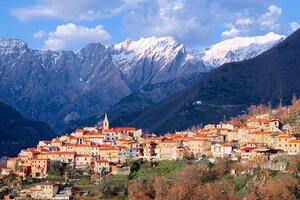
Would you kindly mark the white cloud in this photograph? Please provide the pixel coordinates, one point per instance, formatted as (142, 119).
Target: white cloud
(40, 34)
(252, 23)
(274, 10)
(193, 22)
(244, 22)
(73, 10)
(269, 20)
(71, 37)
(294, 26)
(56, 44)
(190, 21)
(232, 32)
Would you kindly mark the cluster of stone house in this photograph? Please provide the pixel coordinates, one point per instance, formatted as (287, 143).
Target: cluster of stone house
(45, 190)
(105, 149)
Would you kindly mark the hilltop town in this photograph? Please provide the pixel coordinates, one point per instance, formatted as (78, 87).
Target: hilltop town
(103, 150)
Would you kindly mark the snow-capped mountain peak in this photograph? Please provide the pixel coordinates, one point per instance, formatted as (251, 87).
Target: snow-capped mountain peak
(239, 48)
(159, 49)
(148, 47)
(147, 42)
(8, 46)
(153, 59)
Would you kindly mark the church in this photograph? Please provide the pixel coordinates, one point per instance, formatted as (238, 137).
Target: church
(105, 123)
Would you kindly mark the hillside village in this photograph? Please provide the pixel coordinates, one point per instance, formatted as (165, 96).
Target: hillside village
(103, 150)
(150, 100)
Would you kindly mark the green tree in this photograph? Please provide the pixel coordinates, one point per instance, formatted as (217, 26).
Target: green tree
(55, 170)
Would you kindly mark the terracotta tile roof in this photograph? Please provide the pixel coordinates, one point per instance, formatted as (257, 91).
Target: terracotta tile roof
(295, 141)
(121, 147)
(284, 136)
(46, 141)
(86, 145)
(201, 136)
(248, 149)
(32, 149)
(55, 140)
(59, 152)
(110, 130)
(101, 161)
(124, 140)
(168, 141)
(107, 147)
(94, 135)
(226, 145)
(126, 129)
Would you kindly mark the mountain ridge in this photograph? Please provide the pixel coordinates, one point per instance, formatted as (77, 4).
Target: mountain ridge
(125, 110)
(63, 86)
(238, 49)
(271, 77)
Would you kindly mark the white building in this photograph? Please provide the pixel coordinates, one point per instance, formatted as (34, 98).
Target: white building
(221, 150)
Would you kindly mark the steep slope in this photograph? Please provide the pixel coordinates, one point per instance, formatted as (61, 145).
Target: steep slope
(154, 60)
(239, 49)
(271, 77)
(58, 86)
(17, 133)
(63, 87)
(128, 108)
(131, 56)
(154, 68)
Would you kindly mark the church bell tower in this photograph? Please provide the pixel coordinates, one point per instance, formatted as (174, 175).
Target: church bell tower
(105, 123)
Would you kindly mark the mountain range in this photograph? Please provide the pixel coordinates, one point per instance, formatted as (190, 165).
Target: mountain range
(65, 88)
(271, 78)
(61, 86)
(238, 49)
(232, 50)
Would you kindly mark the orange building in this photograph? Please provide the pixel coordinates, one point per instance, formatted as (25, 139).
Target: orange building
(39, 167)
(62, 156)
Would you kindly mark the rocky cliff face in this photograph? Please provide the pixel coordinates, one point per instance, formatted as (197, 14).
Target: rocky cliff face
(62, 86)
(154, 60)
(58, 86)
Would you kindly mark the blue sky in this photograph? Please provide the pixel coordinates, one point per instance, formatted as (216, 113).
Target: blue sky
(70, 24)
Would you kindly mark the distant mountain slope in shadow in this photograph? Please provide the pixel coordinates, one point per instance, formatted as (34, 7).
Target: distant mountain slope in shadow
(271, 77)
(17, 133)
